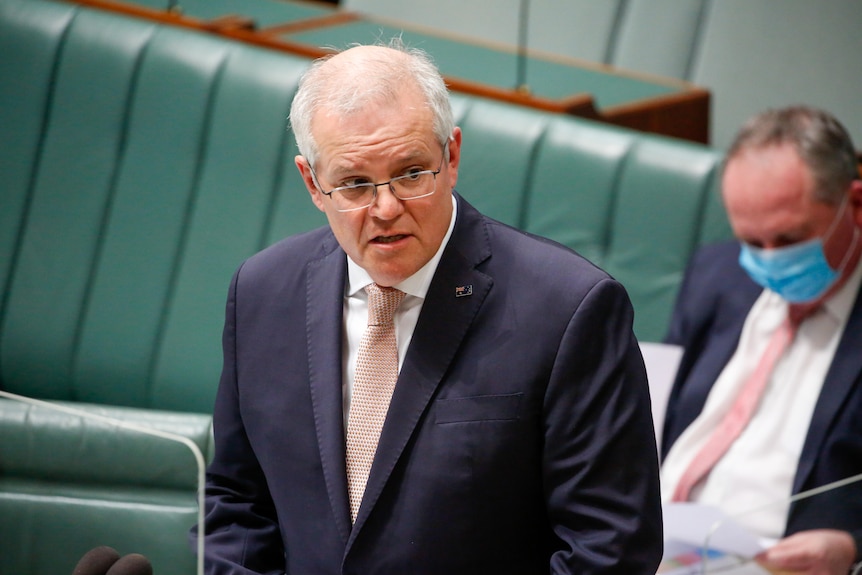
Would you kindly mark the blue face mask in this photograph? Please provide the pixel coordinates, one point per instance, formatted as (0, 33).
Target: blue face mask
(798, 273)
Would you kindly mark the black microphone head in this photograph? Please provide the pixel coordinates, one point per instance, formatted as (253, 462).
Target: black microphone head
(132, 564)
(96, 561)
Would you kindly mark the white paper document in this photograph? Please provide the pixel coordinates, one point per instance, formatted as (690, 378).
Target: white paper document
(700, 539)
(661, 361)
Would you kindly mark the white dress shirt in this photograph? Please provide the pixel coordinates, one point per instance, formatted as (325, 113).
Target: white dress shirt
(356, 311)
(757, 471)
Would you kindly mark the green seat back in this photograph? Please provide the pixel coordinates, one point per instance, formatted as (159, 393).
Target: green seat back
(661, 204)
(33, 32)
(573, 189)
(499, 143)
(156, 176)
(636, 205)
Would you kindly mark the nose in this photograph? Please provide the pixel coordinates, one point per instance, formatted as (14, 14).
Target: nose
(386, 205)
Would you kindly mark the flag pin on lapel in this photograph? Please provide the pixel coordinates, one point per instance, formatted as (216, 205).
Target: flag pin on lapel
(461, 291)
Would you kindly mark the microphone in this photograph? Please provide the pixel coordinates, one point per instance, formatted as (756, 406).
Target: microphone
(521, 74)
(104, 560)
(97, 561)
(129, 563)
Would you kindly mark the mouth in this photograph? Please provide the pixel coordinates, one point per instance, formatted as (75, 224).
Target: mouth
(388, 239)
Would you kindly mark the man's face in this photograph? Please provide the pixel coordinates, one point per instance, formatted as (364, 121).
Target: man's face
(769, 196)
(391, 239)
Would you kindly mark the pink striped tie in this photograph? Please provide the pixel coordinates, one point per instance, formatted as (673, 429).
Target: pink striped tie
(743, 408)
(374, 382)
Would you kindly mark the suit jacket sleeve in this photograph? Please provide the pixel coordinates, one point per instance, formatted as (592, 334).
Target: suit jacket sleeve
(601, 469)
(242, 531)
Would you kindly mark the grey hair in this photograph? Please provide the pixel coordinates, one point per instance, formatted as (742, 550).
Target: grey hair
(346, 87)
(821, 141)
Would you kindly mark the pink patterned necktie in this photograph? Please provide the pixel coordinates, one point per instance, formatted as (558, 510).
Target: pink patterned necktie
(743, 408)
(374, 382)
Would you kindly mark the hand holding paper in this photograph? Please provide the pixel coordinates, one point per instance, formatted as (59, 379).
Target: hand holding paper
(817, 551)
(692, 528)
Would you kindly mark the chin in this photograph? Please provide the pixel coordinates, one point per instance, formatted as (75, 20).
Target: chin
(387, 279)
(389, 275)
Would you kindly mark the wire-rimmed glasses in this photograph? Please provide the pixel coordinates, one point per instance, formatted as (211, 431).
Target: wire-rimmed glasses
(412, 185)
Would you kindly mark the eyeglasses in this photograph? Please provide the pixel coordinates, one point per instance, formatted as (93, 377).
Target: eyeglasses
(413, 185)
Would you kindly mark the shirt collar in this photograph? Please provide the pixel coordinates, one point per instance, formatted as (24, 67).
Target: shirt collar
(417, 284)
(841, 303)
(838, 306)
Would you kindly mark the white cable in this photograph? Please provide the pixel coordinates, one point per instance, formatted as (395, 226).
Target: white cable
(794, 498)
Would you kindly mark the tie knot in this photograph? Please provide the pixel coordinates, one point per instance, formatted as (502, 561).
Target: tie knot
(382, 303)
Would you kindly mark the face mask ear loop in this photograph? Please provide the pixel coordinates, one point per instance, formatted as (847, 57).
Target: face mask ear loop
(852, 247)
(836, 221)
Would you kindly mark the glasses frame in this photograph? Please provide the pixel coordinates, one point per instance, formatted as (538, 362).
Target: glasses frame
(387, 183)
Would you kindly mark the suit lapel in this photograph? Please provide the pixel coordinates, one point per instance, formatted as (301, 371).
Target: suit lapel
(842, 376)
(707, 359)
(324, 301)
(446, 316)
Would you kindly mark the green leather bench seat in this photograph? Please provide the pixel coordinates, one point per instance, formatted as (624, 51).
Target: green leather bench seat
(158, 171)
(633, 204)
(45, 526)
(96, 483)
(141, 163)
(636, 206)
(92, 451)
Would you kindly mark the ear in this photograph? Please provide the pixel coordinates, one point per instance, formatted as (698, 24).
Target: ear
(454, 156)
(308, 179)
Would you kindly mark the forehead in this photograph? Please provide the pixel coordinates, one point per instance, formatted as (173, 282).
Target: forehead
(379, 126)
(773, 175)
(769, 194)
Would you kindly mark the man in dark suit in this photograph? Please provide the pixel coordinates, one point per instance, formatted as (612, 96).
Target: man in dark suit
(794, 199)
(518, 437)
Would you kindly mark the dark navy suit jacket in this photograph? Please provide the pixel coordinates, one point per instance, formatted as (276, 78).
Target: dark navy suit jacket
(518, 439)
(714, 300)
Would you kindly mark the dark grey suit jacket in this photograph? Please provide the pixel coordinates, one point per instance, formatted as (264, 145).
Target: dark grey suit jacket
(518, 440)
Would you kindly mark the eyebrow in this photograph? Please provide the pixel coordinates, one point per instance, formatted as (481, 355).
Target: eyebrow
(415, 157)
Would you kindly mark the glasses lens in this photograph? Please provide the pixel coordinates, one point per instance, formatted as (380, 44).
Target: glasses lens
(406, 187)
(413, 185)
(352, 197)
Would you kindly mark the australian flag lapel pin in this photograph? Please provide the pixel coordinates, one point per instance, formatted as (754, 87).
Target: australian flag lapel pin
(461, 291)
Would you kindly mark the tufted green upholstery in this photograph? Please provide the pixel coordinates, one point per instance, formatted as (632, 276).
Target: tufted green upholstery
(69, 484)
(140, 163)
(633, 205)
(159, 158)
(492, 131)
